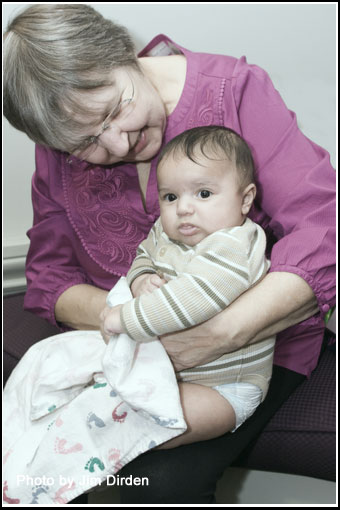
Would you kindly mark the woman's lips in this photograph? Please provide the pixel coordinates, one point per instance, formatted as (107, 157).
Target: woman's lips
(140, 144)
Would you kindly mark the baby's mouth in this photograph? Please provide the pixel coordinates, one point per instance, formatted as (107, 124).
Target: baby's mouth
(188, 229)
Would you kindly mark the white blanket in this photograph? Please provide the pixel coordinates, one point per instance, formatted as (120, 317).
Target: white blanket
(76, 411)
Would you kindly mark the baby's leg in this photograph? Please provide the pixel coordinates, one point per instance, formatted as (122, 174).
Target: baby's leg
(206, 413)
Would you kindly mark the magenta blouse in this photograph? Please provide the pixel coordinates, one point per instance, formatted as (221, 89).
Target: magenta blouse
(88, 221)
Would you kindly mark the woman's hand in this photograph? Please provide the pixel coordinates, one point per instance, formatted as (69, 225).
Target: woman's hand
(146, 283)
(279, 301)
(198, 345)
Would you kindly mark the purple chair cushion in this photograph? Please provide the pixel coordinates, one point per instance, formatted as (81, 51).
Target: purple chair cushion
(299, 439)
(21, 330)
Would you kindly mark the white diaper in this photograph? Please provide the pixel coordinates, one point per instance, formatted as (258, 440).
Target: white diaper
(243, 397)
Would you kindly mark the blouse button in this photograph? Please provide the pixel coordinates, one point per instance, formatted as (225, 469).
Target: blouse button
(325, 308)
(162, 252)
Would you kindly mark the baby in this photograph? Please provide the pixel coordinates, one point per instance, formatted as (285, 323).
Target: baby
(201, 254)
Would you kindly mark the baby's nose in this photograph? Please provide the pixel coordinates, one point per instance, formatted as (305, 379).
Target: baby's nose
(184, 206)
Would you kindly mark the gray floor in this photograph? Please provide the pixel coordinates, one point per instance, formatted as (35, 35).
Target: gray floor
(240, 487)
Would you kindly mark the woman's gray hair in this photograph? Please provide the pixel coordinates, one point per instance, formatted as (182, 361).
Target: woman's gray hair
(52, 52)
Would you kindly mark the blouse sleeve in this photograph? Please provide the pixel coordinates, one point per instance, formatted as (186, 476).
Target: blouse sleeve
(51, 264)
(296, 183)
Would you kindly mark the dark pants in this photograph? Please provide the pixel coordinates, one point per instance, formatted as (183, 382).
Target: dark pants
(189, 473)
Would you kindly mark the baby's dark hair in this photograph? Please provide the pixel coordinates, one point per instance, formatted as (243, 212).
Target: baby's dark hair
(215, 143)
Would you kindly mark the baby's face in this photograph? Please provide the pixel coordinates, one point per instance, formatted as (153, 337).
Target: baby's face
(198, 199)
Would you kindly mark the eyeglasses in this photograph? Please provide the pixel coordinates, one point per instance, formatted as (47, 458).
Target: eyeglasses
(89, 144)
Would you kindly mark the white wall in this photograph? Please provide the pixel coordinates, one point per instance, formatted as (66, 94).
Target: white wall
(295, 43)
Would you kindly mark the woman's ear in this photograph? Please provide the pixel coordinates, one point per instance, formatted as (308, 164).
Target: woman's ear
(248, 196)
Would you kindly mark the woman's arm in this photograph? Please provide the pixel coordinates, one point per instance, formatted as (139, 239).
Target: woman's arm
(79, 307)
(279, 301)
(58, 287)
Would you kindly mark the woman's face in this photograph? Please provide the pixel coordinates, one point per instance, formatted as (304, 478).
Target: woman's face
(134, 133)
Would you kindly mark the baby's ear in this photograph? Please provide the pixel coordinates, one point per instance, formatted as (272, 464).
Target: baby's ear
(248, 197)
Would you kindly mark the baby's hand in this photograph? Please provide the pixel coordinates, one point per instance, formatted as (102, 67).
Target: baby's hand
(146, 283)
(110, 322)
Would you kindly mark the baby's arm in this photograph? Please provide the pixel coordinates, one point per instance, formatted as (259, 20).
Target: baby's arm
(210, 282)
(146, 283)
(142, 278)
(216, 275)
(110, 316)
(143, 263)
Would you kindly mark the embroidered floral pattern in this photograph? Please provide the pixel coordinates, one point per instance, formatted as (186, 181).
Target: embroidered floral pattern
(104, 208)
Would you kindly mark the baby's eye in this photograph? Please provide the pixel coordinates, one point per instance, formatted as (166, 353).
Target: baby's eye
(169, 197)
(204, 193)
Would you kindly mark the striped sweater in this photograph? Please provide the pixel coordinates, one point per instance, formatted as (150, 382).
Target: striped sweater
(202, 280)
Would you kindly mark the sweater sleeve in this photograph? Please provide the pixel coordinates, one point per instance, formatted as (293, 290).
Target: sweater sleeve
(51, 265)
(219, 272)
(143, 261)
(295, 180)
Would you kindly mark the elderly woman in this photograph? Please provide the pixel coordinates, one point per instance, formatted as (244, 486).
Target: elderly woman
(99, 116)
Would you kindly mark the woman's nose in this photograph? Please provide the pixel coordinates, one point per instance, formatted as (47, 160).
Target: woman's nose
(116, 141)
